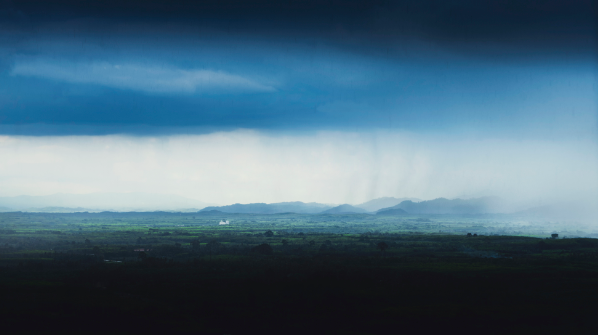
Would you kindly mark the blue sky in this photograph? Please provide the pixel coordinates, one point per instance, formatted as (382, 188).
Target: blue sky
(418, 71)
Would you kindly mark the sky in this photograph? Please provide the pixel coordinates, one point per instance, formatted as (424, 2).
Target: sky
(330, 101)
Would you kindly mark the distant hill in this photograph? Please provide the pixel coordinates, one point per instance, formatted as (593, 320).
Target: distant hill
(262, 208)
(385, 202)
(96, 202)
(392, 211)
(344, 209)
(454, 206)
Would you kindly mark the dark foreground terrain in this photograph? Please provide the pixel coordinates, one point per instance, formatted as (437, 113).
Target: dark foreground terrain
(150, 273)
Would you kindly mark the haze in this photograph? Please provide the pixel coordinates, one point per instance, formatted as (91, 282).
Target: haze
(328, 167)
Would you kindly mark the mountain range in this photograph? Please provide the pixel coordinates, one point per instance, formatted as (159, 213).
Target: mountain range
(308, 208)
(446, 206)
(144, 202)
(262, 208)
(436, 206)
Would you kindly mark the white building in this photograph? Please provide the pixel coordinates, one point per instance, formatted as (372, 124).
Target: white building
(223, 222)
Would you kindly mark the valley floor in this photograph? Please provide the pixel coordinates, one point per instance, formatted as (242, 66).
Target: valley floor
(157, 272)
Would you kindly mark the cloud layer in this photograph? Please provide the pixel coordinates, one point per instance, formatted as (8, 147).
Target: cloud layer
(146, 78)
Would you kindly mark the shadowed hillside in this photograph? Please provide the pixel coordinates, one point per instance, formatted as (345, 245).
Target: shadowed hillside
(454, 206)
(392, 211)
(261, 208)
(384, 202)
(344, 209)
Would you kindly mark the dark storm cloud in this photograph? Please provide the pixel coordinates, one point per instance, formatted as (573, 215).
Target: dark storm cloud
(544, 26)
(103, 67)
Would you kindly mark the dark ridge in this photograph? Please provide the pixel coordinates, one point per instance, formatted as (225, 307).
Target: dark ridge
(344, 209)
(262, 208)
(393, 211)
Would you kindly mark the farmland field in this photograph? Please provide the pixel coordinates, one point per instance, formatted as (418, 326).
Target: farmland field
(353, 273)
